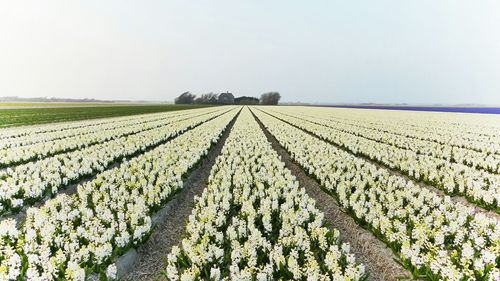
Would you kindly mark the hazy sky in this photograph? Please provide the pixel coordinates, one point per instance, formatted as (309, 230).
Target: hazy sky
(315, 51)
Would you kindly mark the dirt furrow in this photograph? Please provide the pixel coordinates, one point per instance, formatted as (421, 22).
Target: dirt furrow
(374, 254)
(455, 198)
(70, 189)
(170, 226)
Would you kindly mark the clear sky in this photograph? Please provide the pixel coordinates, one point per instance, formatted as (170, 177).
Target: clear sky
(424, 51)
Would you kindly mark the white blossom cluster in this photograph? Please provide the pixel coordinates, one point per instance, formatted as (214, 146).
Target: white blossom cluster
(10, 260)
(253, 222)
(27, 183)
(431, 234)
(72, 235)
(476, 185)
(82, 137)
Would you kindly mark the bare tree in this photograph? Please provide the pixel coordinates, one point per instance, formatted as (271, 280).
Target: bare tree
(270, 98)
(209, 98)
(185, 98)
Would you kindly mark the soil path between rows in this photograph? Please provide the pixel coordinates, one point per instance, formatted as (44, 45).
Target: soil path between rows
(373, 253)
(392, 171)
(167, 122)
(70, 189)
(170, 230)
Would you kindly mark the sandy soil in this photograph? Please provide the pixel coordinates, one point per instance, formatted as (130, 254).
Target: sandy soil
(70, 189)
(457, 199)
(374, 254)
(170, 231)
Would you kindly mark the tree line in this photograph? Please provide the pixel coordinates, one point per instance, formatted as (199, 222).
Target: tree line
(270, 98)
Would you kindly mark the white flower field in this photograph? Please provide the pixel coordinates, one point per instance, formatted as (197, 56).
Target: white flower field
(86, 200)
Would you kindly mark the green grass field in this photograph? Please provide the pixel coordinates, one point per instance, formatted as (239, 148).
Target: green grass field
(40, 115)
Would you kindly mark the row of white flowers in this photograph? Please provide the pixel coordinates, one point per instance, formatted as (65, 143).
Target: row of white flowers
(254, 222)
(85, 137)
(27, 135)
(70, 236)
(433, 236)
(24, 184)
(476, 132)
(22, 133)
(479, 160)
(477, 186)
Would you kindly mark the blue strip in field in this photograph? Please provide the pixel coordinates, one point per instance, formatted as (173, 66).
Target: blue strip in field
(484, 110)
